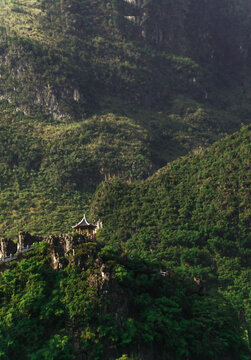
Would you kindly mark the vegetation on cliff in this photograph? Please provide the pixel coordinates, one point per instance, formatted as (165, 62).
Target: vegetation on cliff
(106, 305)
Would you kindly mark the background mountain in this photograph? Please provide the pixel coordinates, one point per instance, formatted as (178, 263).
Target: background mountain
(88, 94)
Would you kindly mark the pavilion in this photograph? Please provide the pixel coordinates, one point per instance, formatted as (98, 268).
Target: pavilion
(85, 225)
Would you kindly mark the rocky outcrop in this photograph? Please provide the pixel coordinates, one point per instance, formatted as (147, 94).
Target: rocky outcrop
(24, 87)
(26, 240)
(7, 248)
(113, 298)
(158, 24)
(60, 247)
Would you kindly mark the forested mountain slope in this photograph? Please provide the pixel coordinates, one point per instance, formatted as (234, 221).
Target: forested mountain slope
(193, 214)
(89, 94)
(207, 188)
(62, 57)
(49, 170)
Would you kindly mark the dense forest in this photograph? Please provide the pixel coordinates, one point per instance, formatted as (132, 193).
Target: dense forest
(137, 113)
(192, 215)
(106, 305)
(88, 94)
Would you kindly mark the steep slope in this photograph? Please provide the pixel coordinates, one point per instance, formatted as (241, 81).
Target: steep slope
(213, 32)
(95, 90)
(86, 97)
(194, 215)
(49, 170)
(207, 188)
(61, 57)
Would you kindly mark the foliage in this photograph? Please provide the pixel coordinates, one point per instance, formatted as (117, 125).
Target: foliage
(104, 103)
(49, 170)
(88, 94)
(65, 57)
(192, 214)
(47, 314)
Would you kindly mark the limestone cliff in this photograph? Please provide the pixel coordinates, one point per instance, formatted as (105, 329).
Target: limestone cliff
(60, 246)
(25, 86)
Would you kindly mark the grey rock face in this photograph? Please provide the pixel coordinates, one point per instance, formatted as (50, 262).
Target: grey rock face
(60, 246)
(25, 239)
(32, 92)
(7, 247)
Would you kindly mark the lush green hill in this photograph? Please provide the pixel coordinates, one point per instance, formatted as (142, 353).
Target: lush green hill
(104, 102)
(189, 219)
(50, 169)
(206, 188)
(193, 214)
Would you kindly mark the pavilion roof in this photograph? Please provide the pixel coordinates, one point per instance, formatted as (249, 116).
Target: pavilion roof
(84, 224)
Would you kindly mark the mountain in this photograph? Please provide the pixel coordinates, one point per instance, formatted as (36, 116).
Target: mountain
(89, 94)
(208, 188)
(193, 215)
(64, 57)
(120, 109)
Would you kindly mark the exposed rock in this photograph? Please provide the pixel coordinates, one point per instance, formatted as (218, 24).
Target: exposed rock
(34, 93)
(7, 247)
(25, 239)
(61, 246)
(76, 95)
